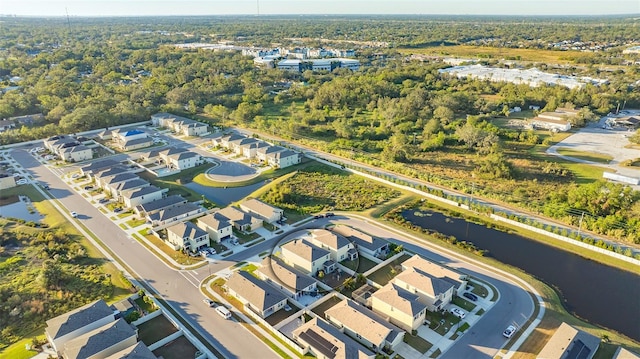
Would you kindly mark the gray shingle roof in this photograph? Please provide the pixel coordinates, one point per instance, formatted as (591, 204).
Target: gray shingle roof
(95, 166)
(187, 230)
(305, 250)
(120, 177)
(214, 222)
(174, 211)
(327, 340)
(78, 318)
(260, 294)
(288, 277)
(162, 203)
(98, 340)
(141, 192)
(138, 351)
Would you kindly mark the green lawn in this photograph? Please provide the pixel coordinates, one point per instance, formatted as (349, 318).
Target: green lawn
(586, 156)
(245, 237)
(417, 343)
(359, 265)
(133, 223)
(18, 350)
(383, 275)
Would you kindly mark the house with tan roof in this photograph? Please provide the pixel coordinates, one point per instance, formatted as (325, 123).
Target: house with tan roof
(292, 281)
(622, 353)
(136, 351)
(364, 326)
(240, 220)
(116, 189)
(263, 153)
(434, 292)
(457, 278)
(101, 342)
(570, 343)
(77, 322)
(303, 255)
(262, 210)
(324, 341)
(399, 306)
(364, 243)
(187, 236)
(341, 248)
(255, 294)
(218, 226)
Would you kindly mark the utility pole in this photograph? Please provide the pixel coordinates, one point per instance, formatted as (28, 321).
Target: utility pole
(580, 224)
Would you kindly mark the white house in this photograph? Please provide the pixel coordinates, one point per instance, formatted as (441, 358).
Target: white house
(139, 196)
(187, 236)
(399, 306)
(79, 321)
(218, 226)
(364, 243)
(240, 220)
(282, 159)
(262, 210)
(102, 342)
(255, 294)
(303, 255)
(437, 270)
(434, 292)
(174, 213)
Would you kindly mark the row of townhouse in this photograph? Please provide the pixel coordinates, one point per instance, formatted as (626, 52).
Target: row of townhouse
(94, 330)
(122, 184)
(68, 148)
(254, 149)
(422, 285)
(181, 125)
(173, 158)
(250, 216)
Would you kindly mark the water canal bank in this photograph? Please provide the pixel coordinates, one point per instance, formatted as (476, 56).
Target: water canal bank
(601, 294)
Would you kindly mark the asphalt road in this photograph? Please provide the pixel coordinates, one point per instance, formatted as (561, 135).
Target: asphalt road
(179, 289)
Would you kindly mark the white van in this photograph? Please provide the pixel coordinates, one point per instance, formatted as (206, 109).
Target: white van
(223, 311)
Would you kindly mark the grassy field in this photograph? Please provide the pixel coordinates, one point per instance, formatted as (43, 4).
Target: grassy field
(465, 51)
(585, 156)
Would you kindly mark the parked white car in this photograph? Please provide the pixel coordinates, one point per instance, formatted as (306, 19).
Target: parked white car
(458, 313)
(508, 333)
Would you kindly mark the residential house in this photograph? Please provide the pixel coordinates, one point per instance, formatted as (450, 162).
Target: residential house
(121, 137)
(622, 353)
(180, 158)
(96, 166)
(105, 182)
(324, 341)
(240, 220)
(364, 243)
(262, 210)
(156, 206)
(75, 153)
(142, 195)
(7, 181)
(283, 159)
(174, 213)
(187, 236)
(250, 150)
(106, 172)
(569, 342)
(399, 307)
(101, 342)
(218, 226)
(341, 248)
(105, 135)
(458, 279)
(116, 189)
(79, 321)
(136, 351)
(135, 144)
(550, 124)
(364, 326)
(160, 118)
(237, 145)
(288, 279)
(179, 124)
(255, 294)
(225, 141)
(436, 293)
(263, 153)
(301, 254)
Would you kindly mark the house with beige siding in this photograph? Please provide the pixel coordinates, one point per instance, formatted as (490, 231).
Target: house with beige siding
(254, 294)
(325, 341)
(399, 306)
(303, 255)
(364, 326)
(569, 342)
(142, 195)
(240, 220)
(136, 351)
(218, 226)
(364, 243)
(187, 236)
(283, 159)
(341, 248)
(292, 281)
(437, 270)
(434, 292)
(266, 212)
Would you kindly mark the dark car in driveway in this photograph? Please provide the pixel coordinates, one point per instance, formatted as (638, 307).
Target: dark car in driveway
(470, 296)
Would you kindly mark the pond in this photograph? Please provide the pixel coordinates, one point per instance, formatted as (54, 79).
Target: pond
(601, 294)
(22, 209)
(223, 196)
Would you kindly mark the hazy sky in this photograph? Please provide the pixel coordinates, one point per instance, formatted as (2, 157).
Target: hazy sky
(266, 7)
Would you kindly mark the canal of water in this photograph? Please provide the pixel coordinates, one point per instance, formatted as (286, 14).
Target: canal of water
(223, 196)
(601, 294)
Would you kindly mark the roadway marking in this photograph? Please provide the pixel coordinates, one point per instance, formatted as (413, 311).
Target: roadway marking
(197, 284)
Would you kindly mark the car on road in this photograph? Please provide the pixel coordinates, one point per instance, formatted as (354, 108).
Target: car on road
(209, 302)
(458, 313)
(508, 333)
(74, 214)
(470, 296)
(329, 214)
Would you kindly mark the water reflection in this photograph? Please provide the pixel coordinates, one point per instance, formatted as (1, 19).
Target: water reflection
(223, 196)
(601, 294)
(23, 209)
